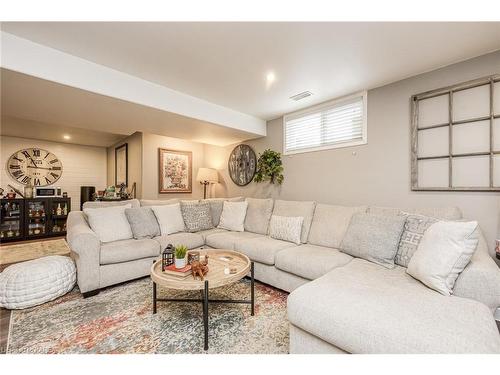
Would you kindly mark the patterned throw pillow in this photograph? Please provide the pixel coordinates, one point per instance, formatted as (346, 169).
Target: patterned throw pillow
(414, 229)
(197, 216)
(286, 228)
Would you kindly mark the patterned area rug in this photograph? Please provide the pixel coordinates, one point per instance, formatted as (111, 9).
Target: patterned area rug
(120, 320)
(32, 250)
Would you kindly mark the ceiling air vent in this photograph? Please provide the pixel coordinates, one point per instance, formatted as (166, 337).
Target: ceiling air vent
(301, 95)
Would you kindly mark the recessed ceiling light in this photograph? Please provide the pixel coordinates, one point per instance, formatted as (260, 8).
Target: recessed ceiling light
(65, 136)
(270, 77)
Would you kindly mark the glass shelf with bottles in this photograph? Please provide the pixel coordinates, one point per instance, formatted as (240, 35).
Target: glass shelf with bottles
(10, 220)
(59, 214)
(36, 218)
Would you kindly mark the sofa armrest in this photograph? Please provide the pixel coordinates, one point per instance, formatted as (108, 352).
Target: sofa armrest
(480, 280)
(85, 249)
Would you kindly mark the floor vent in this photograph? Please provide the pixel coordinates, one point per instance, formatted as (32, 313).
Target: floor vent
(301, 95)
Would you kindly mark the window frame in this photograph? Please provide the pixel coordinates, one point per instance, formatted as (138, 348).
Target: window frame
(323, 106)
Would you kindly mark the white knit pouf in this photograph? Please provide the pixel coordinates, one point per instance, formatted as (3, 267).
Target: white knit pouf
(36, 281)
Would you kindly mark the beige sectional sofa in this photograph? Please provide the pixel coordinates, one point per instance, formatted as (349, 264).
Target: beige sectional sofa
(338, 304)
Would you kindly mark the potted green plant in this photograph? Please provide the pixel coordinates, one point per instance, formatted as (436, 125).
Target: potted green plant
(180, 256)
(269, 167)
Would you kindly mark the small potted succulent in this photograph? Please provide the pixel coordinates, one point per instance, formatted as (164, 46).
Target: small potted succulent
(180, 256)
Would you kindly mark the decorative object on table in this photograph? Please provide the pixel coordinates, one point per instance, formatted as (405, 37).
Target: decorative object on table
(175, 173)
(269, 167)
(167, 257)
(242, 164)
(28, 192)
(497, 249)
(207, 176)
(122, 193)
(65, 194)
(180, 256)
(34, 166)
(121, 165)
(193, 256)
(200, 268)
(110, 192)
(178, 273)
(34, 282)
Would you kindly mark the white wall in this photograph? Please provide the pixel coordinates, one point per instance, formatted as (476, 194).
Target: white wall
(82, 165)
(379, 173)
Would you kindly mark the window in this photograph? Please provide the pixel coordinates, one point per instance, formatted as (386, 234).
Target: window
(338, 123)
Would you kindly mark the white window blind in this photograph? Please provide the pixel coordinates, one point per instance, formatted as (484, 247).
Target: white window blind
(335, 124)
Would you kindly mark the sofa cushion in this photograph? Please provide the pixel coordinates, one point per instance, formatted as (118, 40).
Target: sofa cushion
(480, 280)
(330, 223)
(262, 249)
(127, 250)
(227, 239)
(413, 232)
(373, 237)
(206, 233)
(259, 213)
(443, 253)
(442, 213)
(310, 261)
(364, 308)
(134, 203)
(143, 222)
(169, 218)
(286, 228)
(158, 202)
(296, 208)
(190, 240)
(196, 216)
(109, 223)
(216, 207)
(233, 216)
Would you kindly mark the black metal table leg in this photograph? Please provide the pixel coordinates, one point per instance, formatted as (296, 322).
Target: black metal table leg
(252, 285)
(205, 314)
(154, 297)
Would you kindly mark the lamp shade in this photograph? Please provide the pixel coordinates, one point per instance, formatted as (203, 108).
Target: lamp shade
(207, 174)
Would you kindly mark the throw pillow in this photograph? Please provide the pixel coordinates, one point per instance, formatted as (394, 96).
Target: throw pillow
(197, 216)
(373, 237)
(259, 213)
(415, 227)
(142, 222)
(444, 251)
(286, 228)
(109, 223)
(233, 216)
(169, 217)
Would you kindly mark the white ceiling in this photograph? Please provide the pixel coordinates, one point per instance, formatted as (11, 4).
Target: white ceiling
(51, 109)
(226, 63)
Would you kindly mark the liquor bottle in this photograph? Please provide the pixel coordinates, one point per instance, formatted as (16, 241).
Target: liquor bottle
(65, 210)
(59, 210)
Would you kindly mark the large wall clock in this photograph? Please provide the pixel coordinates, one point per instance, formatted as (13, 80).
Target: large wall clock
(242, 165)
(34, 166)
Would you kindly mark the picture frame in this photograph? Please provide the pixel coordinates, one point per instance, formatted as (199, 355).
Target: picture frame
(175, 171)
(121, 165)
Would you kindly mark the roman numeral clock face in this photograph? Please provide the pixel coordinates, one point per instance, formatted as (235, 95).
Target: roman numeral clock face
(34, 166)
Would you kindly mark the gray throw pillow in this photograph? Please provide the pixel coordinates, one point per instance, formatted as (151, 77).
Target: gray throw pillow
(197, 216)
(374, 237)
(414, 229)
(142, 222)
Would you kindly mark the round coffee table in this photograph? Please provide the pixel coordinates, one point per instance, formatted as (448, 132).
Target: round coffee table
(218, 260)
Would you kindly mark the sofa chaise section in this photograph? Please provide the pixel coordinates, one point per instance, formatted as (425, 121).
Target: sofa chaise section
(365, 308)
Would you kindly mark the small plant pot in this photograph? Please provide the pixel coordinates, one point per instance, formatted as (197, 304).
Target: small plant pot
(180, 263)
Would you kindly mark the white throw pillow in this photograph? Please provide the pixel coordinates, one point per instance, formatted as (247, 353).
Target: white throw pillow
(169, 217)
(286, 228)
(109, 223)
(233, 216)
(444, 251)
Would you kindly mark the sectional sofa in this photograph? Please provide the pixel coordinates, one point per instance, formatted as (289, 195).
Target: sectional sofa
(338, 303)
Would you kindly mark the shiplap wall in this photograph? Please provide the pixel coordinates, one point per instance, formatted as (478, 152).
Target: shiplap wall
(82, 165)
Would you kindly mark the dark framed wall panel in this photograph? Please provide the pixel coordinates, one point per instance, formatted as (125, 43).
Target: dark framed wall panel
(455, 137)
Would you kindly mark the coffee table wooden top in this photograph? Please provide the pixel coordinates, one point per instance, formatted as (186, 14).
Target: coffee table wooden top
(218, 259)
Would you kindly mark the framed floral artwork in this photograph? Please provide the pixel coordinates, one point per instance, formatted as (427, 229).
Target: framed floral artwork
(175, 175)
